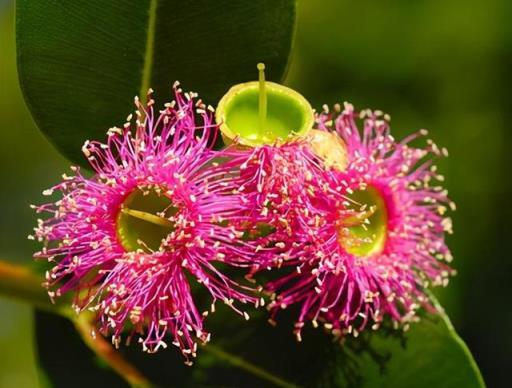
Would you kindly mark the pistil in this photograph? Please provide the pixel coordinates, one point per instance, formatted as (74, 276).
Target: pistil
(154, 219)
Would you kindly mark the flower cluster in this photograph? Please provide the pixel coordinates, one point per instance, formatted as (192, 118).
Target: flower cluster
(348, 224)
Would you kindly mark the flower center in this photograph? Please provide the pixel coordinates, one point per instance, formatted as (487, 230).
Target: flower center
(144, 220)
(263, 112)
(362, 229)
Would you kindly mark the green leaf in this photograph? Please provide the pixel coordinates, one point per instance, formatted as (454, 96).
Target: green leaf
(254, 354)
(82, 62)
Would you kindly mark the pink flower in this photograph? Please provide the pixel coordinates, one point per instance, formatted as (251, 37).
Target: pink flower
(368, 232)
(275, 181)
(159, 210)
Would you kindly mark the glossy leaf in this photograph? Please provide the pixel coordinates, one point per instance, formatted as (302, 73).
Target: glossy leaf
(82, 62)
(430, 354)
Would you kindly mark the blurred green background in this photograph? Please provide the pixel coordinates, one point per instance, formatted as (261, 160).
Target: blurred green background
(441, 65)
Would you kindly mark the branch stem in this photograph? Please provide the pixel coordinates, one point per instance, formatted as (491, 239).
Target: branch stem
(248, 367)
(103, 349)
(20, 283)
